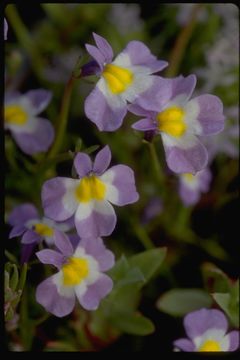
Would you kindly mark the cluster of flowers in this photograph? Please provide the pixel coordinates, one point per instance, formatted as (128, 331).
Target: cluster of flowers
(126, 84)
(83, 203)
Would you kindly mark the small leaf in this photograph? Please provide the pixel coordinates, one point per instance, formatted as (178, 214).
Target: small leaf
(178, 302)
(91, 149)
(229, 303)
(148, 261)
(14, 278)
(215, 280)
(123, 274)
(78, 145)
(23, 277)
(132, 323)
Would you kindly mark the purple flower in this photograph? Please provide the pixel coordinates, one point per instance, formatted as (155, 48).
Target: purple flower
(89, 196)
(180, 121)
(32, 133)
(5, 29)
(206, 330)
(191, 186)
(121, 81)
(81, 274)
(26, 221)
(226, 142)
(153, 208)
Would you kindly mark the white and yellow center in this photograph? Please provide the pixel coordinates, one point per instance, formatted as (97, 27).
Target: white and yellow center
(188, 177)
(210, 345)
(90, 188)
(171, 121)
(15, 115)
(118, 79)
(43, 229)
(75, 271)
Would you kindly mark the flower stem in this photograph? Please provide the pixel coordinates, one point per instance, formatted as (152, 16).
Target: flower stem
(182, 40)
(63, 117)
(156, 164)
(25, 39)
(141, 234)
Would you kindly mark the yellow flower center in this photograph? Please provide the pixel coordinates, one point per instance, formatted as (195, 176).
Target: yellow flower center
(210, 345)
(90, 188)
(188, 177)
(118, 79)
(14, 114)
(43, 229)
(75, 271)
(171, 121)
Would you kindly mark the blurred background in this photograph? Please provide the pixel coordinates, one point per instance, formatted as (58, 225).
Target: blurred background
(44, 43)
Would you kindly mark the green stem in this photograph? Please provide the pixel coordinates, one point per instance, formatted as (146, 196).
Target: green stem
(10, 256)
(63, 117)
(23, 277)
(142, 234)
(42, 319)
(179, 48)
(25, 39)
(156, 164)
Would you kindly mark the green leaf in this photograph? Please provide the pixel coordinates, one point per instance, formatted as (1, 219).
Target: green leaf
(178, 302)
(229, 303)
(91, 149)
(148, 262)
(132, 323)
(123, 274)
(23, 277)
(215, 280)
(14, 278)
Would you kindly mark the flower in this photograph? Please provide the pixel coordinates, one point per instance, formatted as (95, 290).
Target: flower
(153, 208)
(126, 18)
(26, 221)
(5, 29)
(206, 329)
(32, 133)
(89, 196)
(81, 273)
(226, 142)
(180, 122)
(191, 186)
(120, 81)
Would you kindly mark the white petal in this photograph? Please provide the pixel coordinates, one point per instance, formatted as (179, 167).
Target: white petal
(84, 210)
(69, 200)
(225, 343)
(192, 110)
(114, 101)
(122, 60)
(112, 193)
(186, 141)
(211, 334)
(67, 291)
(103, 207)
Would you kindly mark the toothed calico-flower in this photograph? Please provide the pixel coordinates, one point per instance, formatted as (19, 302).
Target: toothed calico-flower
(191, 186)
(81, 275)
(121, 81)
(180, 122)
(89, 197)
(27, 222)
(31, 133)
(207, 331)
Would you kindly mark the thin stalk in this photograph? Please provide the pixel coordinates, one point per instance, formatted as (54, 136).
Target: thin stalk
(179, 48)
(25, 39)
(142, 235)
(63, 117)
